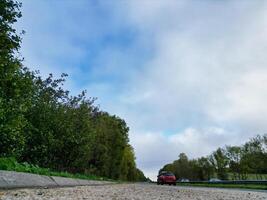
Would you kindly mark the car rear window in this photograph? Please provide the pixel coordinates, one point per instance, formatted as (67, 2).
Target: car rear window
(167, 174)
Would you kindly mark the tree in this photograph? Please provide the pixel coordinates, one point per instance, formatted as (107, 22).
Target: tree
(234, 155)
(206, 168)
(180, 167)
(254, 156)
(168, 167)
(264, 145)
(140, 176)
(110, 140)
(128, 168)
(220, 162)
(15, 83)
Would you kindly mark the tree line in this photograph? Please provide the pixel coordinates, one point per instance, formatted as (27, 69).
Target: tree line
(248, 161)
(42, 124)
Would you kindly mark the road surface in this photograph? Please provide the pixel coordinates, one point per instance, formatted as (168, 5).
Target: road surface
(131, 192)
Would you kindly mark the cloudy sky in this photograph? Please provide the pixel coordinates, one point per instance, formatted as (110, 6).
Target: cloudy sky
(187, 76)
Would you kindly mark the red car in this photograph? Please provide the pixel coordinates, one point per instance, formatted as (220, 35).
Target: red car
(166, 178)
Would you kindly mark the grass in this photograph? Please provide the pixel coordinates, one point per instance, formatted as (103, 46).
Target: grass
(215, 185)
(11, 164)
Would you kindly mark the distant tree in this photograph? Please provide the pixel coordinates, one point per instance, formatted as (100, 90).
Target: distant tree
(220, 162)
(181, 167)
(206, 168)
(241, 161)
(234, 155)
(254, 156)
(168, 167)
(264, 144)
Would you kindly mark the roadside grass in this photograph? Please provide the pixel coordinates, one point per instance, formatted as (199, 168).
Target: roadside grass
(215, 185)
(11, 164)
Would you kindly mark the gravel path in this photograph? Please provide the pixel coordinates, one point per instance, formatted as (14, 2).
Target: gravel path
(133, 192)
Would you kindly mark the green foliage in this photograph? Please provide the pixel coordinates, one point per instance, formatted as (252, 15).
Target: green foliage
(246, 162)
(110, 142)
(200, 169)
(15, 83)
(205, 169)
(220, 162)
(41, 124)
(11, 164)
(128, 168)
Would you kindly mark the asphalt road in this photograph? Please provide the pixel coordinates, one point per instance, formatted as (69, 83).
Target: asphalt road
(133, 192)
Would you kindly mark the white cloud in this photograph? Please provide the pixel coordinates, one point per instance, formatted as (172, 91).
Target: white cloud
(244, 102)
(208, 69)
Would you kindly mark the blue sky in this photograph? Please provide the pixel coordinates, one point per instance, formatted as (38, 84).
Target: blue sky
(187, 76)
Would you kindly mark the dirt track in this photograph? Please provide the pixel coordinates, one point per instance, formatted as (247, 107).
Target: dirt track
(132, 191)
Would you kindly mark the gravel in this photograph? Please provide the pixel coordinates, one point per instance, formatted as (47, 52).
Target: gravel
(133, 192)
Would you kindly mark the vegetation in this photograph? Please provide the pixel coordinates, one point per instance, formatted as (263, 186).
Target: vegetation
(217, 185)
(42, 124)
(245, 162)
(11, 164)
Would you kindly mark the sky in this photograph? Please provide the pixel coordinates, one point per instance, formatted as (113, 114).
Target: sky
(186, 75)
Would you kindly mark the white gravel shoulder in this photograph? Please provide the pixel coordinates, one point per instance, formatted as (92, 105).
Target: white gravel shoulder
(131, 192)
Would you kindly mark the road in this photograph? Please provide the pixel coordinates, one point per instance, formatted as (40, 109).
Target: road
(131, 192)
